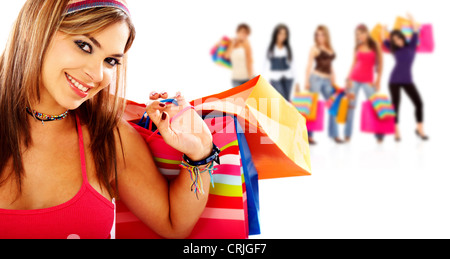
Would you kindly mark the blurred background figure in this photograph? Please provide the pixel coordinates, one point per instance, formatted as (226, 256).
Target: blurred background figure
(401, 76)
(367, 59)
(240, 54)
(279, 64)
(321, 79)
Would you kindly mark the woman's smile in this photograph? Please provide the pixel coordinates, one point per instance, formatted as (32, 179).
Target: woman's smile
(80, 88)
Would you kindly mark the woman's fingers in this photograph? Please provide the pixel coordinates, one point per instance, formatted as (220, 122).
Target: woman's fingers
(164, 125)
(155, 96)
(169, 135)
(154, 110)
(164, 95)
(181, 100)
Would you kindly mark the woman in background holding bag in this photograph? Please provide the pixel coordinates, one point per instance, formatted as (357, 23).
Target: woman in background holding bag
(321, 79)
(401, 76)
(367, 59)
(280, 64)
(240, 54)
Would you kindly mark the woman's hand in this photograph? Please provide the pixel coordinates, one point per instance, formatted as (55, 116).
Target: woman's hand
(376, 85)
(410, 17)
(297, 88)
(187, 133)
(414, 24)
(307, 86)
(348, 84)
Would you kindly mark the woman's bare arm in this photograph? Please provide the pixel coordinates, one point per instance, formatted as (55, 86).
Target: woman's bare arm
(230, 48)
(168, 208)
(249, 59)
(333, 77)
(312, 55)
(377, 82)
(348, 83)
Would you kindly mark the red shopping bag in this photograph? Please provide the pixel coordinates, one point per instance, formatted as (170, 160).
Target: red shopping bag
(370, 123)
(225, 215)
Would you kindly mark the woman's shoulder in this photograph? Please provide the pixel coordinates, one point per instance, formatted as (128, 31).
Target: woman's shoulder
(246, 43)
(314, 50)
(129, 139)
(127, 132)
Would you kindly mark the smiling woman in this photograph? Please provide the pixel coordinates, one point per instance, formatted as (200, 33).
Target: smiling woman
(81, 58)
(59, 174)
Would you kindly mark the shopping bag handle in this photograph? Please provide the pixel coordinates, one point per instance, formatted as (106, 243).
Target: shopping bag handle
(147, 118)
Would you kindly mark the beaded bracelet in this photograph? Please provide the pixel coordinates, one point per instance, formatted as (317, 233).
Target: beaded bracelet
(196, 168)
(196, 178)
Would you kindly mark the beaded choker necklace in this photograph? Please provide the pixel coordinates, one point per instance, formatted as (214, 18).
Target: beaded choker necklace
(46, 118)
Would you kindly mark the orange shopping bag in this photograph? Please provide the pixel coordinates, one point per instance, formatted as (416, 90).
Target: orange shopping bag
(275, 131)
(341, 117)
(314, 107)
(376, 35)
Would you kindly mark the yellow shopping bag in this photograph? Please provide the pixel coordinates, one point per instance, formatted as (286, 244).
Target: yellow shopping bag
(376, 34)
(275, 131)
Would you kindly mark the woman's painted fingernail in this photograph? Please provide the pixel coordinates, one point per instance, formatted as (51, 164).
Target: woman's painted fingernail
(162, 105)
(164, 116)
(153, 93)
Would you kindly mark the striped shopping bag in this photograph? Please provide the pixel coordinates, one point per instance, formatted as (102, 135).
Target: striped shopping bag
(219, 50)
(225, 215)
(306, 104)
(382, 106)
(405, 26)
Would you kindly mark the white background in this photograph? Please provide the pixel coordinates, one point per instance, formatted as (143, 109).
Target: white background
(360, 190)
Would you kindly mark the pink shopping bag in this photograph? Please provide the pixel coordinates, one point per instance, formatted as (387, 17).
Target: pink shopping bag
(318, 124)
(370, 123)
(426, 37)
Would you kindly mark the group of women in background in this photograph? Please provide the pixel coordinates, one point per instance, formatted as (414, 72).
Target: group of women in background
(365, 72)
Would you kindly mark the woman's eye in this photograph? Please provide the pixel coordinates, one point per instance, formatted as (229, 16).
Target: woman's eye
(112, 62)
(84, 46)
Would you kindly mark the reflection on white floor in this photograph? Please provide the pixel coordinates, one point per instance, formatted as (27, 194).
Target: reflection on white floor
(363, 190)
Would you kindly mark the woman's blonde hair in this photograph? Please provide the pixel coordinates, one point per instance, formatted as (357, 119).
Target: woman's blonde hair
(326, 33)
(20, 81)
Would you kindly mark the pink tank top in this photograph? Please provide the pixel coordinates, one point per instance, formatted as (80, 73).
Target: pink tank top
(88, 215)
(365, 67)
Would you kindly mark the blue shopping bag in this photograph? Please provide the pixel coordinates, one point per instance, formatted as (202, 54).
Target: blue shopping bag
(250, 174)
(251, 182)
(336, 103)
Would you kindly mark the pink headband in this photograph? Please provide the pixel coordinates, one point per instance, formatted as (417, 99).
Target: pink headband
(79, 5)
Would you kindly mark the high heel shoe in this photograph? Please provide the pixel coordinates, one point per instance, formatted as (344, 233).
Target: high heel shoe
(423, 137)
(398, 139)
(338, 141)
(312, 142)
